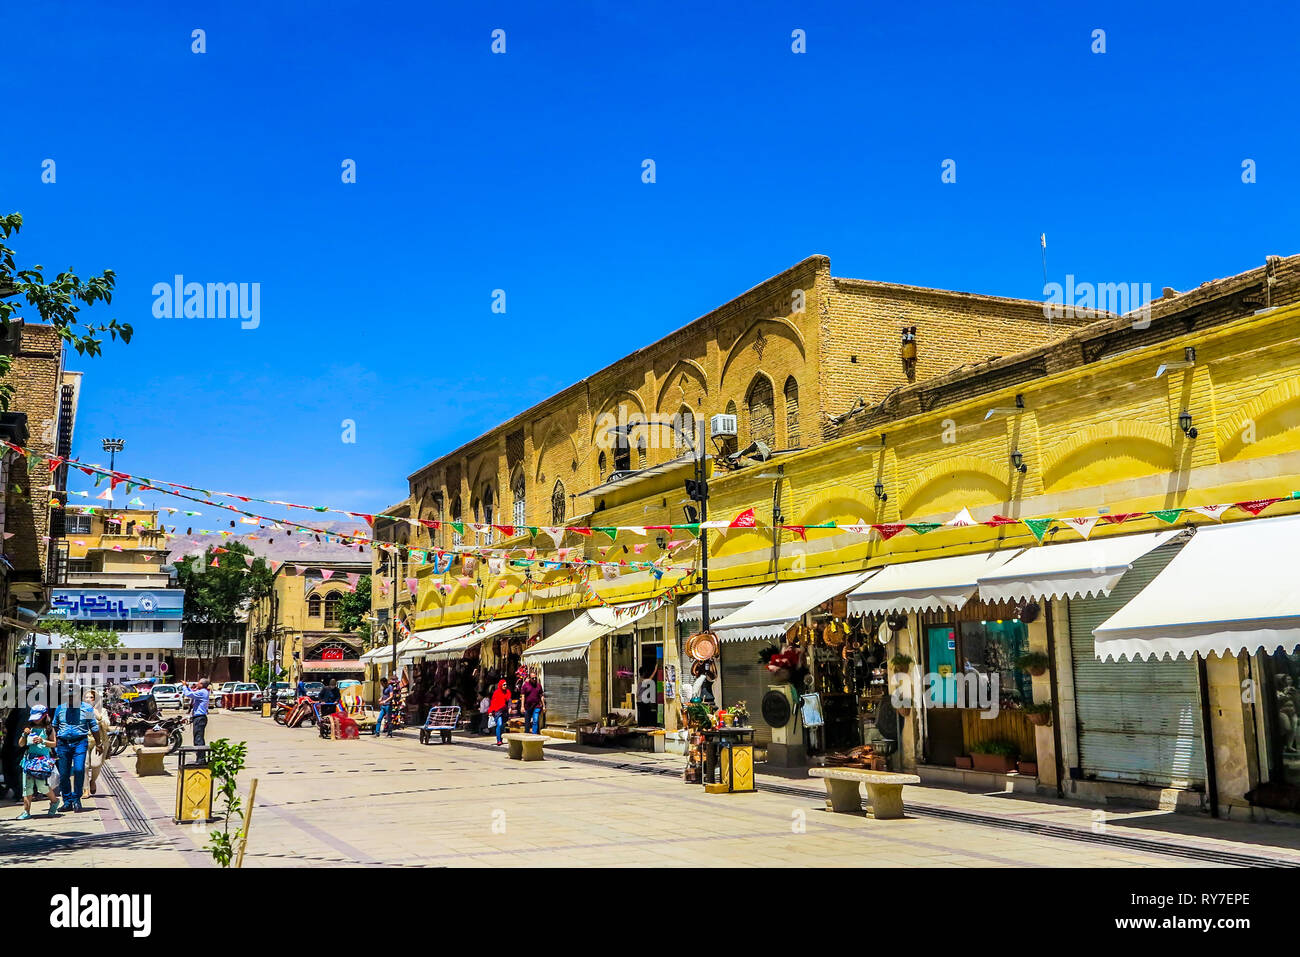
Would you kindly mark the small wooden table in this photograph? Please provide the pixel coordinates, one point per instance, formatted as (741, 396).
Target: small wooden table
(884, 790)
(525, 747)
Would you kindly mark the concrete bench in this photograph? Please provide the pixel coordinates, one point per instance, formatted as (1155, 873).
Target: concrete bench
(526, 747)
(149, 761)
(884, 790)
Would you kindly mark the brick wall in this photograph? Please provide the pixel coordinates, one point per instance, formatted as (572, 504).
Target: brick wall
(35, 375)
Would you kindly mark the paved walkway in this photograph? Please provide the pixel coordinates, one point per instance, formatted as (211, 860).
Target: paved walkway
(396, 802)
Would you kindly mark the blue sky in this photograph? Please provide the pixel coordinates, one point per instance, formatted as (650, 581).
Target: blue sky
(522, 172)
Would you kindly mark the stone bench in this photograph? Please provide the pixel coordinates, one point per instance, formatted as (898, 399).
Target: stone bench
(526, 747)
(149, 761)
(884, 790)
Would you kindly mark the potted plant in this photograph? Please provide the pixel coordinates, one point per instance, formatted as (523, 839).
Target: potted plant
(996, 756)
(1035, 662)
(964, 762)
(740, 714)
(1027, 767)
(901, 662)
(1039, 713)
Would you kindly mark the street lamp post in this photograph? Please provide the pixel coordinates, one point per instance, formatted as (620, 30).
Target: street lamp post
(112, 447)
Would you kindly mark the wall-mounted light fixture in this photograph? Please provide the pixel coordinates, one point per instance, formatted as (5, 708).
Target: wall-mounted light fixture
(1018, 462)
(1018, 409)
(1189, 360)
(907, 350)
(880, 492)
(1185, 423)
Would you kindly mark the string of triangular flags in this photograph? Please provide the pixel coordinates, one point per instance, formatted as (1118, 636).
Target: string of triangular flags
(746, 520)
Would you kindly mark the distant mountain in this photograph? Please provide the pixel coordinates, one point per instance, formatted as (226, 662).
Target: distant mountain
(279, 545)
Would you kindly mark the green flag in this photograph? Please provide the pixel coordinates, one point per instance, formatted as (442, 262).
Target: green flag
(611, 532)
(459, 527)
(1038, 526)
(1168, 515)
(922, 527)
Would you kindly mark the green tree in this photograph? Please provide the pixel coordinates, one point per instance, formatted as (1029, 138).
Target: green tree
(225, 760)
(354, 609)
(81, 638)
(216, 594)
(57, 302)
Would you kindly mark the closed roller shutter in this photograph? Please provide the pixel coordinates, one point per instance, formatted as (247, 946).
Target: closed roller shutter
(744, 678)
(565, 685)
(1138, 721)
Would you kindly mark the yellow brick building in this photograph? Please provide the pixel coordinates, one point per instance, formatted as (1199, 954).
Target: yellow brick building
(1192, 403)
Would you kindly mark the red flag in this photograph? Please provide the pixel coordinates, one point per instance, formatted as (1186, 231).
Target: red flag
(1121, 517)
(997, 520)
(745, 519)
(1255, 506)
(889, 531)
(581, 531)
(798, 530)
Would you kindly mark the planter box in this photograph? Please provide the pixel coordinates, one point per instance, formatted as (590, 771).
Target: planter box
(996, 763)
(964, 762)
(1028, 768)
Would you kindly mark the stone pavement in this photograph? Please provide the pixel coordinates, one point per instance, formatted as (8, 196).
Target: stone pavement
(395, 802)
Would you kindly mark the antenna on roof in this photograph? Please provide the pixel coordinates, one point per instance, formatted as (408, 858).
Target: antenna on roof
(1042, 240)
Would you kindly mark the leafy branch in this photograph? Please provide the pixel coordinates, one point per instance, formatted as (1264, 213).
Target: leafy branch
(225, 761)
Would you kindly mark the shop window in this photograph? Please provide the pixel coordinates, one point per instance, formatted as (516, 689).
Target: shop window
(557, 504)
(992, 647)
(791, 413)
(1281, 706)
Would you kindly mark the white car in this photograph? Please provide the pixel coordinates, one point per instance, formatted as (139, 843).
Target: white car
(167, 696)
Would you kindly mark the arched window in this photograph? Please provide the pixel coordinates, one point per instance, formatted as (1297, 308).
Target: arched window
(640, 452)
(488, 512)
(313, 606)
(456, 518)
(518, 503)
(685, 428)
(791, 413)
(762, 423)
(601, 463)
(622, 454)
(729, 445)
(557, 504)
(332, 609)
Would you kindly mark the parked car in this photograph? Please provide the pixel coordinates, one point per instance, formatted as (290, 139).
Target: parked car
(314, 688)
(247, 686)
(167, 696)
(283, 692)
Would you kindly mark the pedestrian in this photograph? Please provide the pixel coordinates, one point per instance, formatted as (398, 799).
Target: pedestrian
(198, 700)
(385, 706)
(37, 741)
(99, 753)
(329, 698)
(499, 705)
(74, 724)
(484, 705)
(533, 702)
(300, 689)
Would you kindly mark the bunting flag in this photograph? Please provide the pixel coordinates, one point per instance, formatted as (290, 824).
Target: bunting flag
(797, 529)
(1256, 506)
(922, 527)
(326, 574)
(1082, 524)
(888, 531)
(1168, 515)
(1038, 527)
(1120, 518)
(412, 584)
(1211, 511)
(745, 519)
(962, 519)
(353, 578)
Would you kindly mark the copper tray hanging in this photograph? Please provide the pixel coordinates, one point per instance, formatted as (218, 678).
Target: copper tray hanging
(702, 646)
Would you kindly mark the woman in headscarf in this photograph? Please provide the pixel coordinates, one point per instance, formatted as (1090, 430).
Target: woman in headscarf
(99, 751)
(499, 705)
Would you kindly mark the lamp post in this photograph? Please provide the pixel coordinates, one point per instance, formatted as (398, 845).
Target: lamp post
(112, 447)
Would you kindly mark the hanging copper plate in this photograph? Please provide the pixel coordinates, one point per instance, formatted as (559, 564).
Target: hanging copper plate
(702, 646)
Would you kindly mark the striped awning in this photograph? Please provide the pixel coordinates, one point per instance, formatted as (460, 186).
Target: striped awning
(353, 664)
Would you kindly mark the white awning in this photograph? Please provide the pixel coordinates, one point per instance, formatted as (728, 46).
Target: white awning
(780, 605)
(932, 584)
(572, 641)
(1072, 570)
(471, 635)
(1232, 588)
(722, 602)
(376, 654)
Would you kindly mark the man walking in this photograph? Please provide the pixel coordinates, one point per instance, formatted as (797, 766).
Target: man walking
(533, 704)
(74, 724)
(198, 699)
(329, 698)
(385, 706)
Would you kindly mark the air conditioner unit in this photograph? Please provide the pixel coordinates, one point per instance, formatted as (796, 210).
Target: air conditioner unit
(722, 427)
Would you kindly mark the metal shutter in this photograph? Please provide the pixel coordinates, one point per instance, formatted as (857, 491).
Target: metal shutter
(1138, 721)
(745, 679)
(565, 685)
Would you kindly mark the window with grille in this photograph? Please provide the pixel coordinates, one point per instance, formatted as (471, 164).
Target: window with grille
(313, 606)
(332, 602)
(791, 413)
(762, 423)
(557, 504)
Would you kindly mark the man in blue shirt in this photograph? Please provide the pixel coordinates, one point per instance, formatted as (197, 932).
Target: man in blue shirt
(198, 699)
(74, 724)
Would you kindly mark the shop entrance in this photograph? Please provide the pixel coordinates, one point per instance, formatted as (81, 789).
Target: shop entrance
(650, 682)
(943, 721)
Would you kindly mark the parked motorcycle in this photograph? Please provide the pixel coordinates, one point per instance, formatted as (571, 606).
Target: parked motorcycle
(132, 732)
(285, 709)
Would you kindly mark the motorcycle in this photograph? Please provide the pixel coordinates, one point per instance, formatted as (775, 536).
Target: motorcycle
(132, 732)
(284, 709)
